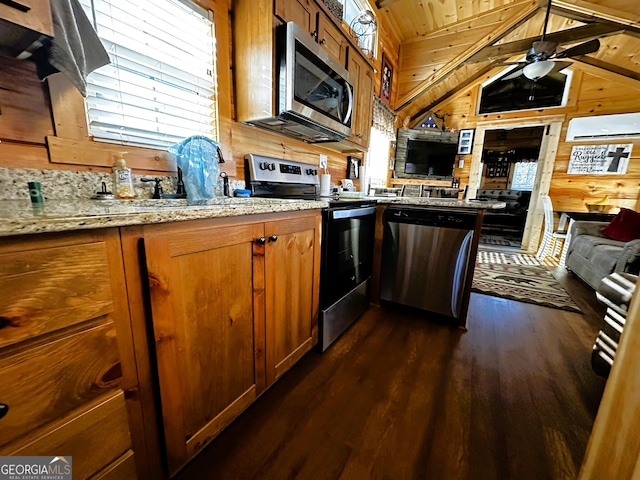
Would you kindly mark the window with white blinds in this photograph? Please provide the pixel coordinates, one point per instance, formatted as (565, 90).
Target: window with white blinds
(161, 85)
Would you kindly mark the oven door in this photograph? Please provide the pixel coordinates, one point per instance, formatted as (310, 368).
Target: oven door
(315, 85)
(347, 255)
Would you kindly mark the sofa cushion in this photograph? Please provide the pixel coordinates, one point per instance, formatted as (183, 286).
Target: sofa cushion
(585, 245)
(605, 257)
(625, 226)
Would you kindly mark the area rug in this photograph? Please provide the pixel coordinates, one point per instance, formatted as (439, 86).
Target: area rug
(519, 277)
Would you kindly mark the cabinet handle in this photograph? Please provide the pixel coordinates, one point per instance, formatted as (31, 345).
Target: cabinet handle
(273, 238)
(16, 5)
(359, 135)
(323, 41)
(261, 240)
(4, 408)
(314, 34)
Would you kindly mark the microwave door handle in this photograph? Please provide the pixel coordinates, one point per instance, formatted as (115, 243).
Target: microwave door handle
(350, 108)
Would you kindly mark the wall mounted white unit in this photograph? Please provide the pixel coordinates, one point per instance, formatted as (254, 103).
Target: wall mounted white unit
(625, 125)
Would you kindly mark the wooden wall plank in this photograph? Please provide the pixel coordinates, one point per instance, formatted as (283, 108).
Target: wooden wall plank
(24, 105)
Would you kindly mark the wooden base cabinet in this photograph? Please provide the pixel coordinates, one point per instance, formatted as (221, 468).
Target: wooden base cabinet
(64, 347)
(233, 306)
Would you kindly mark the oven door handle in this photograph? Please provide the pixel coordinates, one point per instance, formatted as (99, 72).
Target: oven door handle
(356, 212)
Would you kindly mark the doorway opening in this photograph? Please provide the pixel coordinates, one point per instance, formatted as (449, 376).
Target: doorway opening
(509, 166)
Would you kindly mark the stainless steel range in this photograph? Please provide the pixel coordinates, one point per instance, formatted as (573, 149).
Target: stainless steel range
(347, 240)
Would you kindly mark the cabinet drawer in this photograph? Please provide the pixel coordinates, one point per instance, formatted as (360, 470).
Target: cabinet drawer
(42, 290)
(31, 14)
(122, 469)
(45, 383)
(93, 438)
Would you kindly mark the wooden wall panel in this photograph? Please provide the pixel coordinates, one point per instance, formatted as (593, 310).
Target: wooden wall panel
(26, 116)
(24, 105)
(594, 91)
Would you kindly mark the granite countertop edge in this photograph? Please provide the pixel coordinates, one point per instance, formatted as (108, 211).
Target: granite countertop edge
(20, 217)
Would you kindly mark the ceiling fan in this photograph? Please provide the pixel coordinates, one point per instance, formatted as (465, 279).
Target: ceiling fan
(540, 59)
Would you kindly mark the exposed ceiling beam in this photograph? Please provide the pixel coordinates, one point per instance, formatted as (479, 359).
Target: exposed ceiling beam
(596, 11)
(529, 9)
(629, 29)
(594, 62)
(459, 87)
(577, 34)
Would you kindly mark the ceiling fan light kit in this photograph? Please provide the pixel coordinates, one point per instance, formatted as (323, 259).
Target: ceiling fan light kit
(540, 59)
(535, 71)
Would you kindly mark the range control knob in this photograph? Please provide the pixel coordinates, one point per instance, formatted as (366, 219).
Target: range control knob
(264, 165)
(271, 166)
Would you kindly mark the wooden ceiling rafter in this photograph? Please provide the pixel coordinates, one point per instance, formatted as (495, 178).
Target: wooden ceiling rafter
(459, 87)
(586, 32)
(594, 62)
(525, 9)
(626, 27)
(596, 12)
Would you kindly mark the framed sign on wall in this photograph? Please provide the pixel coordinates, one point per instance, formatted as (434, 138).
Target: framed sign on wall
(386, 80)
(599, 159)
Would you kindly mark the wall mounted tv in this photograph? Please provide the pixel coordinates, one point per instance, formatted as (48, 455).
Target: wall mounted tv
(433, 159)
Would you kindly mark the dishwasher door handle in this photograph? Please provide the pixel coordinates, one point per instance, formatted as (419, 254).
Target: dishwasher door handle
(356, 212)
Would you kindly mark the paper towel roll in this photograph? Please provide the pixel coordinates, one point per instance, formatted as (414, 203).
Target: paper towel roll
(325, 185)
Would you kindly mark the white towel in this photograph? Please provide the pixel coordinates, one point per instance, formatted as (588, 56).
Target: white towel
(75, 49)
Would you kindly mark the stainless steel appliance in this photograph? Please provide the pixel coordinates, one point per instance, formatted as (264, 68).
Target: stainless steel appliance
(347, 240)
(314, 96)
(426, 254)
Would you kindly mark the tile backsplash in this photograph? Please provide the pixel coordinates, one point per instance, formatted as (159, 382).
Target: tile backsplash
(65, 184)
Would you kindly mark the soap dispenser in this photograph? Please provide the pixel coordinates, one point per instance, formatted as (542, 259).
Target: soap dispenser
(122, 178)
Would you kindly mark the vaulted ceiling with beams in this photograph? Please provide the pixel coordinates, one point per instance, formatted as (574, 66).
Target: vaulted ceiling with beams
(448, 44)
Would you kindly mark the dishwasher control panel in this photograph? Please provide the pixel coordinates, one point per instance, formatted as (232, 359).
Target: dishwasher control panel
(432, 217)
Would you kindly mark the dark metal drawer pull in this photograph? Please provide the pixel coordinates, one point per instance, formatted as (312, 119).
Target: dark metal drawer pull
(4, 409)
(16, 5)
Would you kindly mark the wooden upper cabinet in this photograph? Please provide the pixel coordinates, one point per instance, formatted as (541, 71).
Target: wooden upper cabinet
(292, 271)
(203, 285)
(22, 22)
(361, 75)
(332, 39)
(306, 14)
(303, 13)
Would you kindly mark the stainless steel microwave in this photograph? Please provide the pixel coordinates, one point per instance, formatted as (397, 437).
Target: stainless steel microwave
(314, 95)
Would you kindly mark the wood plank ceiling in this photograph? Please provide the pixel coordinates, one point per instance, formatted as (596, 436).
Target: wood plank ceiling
(448, 44)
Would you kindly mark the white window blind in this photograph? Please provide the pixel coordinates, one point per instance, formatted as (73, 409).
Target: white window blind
(160, 85)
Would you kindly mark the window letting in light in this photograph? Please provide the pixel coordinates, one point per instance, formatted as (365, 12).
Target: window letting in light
(366, 35)
(524, 175)
(161, 84)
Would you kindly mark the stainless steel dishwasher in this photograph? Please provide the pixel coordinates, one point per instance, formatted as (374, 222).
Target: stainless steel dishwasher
(425, 258)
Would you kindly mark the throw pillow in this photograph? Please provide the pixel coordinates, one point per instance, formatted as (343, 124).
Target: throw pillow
(624, 227)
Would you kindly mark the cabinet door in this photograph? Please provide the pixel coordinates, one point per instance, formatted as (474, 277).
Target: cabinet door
(332, 39)
(303, 13)
(32, 14)
(203, 286)
(362, 78)
(292, 261)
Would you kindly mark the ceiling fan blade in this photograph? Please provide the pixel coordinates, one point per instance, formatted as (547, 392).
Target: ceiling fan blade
(560, 66)
(513, 75)
(582, 49)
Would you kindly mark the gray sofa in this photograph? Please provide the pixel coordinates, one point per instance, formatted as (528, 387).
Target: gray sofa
(592, 256)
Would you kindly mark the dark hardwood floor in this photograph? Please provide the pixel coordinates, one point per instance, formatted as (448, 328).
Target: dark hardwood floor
(402, 397)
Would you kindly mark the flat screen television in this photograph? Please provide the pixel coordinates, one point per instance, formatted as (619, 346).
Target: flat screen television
(433, 159)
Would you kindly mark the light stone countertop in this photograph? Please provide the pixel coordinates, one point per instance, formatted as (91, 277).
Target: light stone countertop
(440, 202)
(18, 217)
